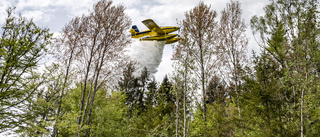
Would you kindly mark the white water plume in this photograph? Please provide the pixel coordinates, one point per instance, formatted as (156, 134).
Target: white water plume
(146, 54)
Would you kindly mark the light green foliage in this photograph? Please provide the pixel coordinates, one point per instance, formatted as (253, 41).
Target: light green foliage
(41, 107)
(221, 121)
(286, 72)
(67, 125)
(22, 45)
(110, 115)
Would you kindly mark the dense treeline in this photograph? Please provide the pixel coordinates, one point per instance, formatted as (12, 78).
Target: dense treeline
(92, 89)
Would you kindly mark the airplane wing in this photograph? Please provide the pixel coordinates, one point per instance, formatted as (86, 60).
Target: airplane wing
(153, 26)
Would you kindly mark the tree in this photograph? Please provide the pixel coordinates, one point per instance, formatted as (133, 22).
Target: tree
(288, 34)
(183, 81)
(233, 47)
(67, 50)
(199, 39)
(150, 109)
(265, 100)
(164, 91)
(41, 109)
(165, 106)
(221, 113)
(95, 44)
(66, 55)
(128, 85)
(110, 117)
(109, 108)
(108, 42)
(22, 46)
(142, 82)
(216, 91)
(140, 91)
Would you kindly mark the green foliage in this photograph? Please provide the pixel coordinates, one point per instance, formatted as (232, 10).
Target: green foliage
(222, 114)
(283, 81)
(264, 100)
(66, 124)
(221, 120)
(135, 89)
(165, 99)
(22, 45)
(109, 117)
(41, 108)
(150, 108)
(110, 109)
(279, 96)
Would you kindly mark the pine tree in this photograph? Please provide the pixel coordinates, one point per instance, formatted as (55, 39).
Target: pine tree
(217, 91)
(165, 97)
(128, 85)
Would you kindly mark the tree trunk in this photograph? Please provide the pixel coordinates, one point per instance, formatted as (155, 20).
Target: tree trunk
(95, 89)
(189, 123)
(203, 85)
(184, 100)
(55, 130)
(302, 103)
(177, 112)
(85, 83)
(87, 103)
(84, 92)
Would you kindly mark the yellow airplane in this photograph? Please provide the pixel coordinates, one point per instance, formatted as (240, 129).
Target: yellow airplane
(155, 33)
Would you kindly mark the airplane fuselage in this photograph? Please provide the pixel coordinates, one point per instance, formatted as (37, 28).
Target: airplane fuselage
(166, 30)
(159, 38)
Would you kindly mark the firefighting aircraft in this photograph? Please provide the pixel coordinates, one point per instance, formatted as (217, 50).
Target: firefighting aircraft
(155, 33)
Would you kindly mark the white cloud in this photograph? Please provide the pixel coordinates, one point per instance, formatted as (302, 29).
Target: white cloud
(37, 15)
(73, 7)
(178, 2)
(22, 4)
(76, 7)
(128, 3)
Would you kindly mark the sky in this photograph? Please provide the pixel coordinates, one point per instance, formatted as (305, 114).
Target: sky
(54, 14)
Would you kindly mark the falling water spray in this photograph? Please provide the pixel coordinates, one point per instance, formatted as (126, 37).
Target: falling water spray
(146, 54)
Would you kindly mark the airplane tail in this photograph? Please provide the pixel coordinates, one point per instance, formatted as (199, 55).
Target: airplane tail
(134, 30)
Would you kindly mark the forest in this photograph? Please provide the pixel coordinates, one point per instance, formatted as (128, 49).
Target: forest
(216, 89)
